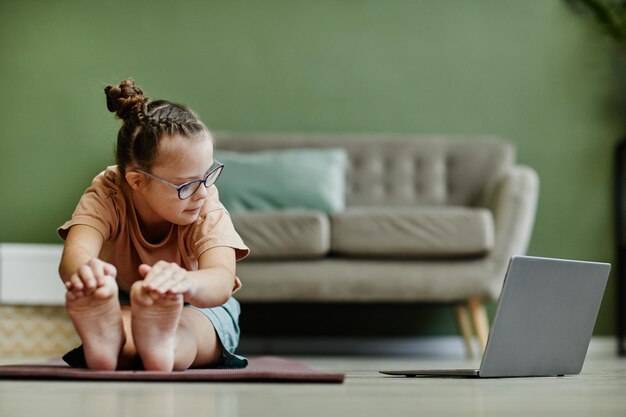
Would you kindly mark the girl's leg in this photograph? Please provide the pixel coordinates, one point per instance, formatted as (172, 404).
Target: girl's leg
(208, 348)
(167, 336)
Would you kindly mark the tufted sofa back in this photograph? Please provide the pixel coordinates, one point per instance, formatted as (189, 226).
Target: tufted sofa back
(392, 170)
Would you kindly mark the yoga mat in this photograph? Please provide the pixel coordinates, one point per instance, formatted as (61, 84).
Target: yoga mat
(260, 369)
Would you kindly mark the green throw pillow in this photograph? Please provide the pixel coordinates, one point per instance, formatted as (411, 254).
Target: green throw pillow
(282, 179)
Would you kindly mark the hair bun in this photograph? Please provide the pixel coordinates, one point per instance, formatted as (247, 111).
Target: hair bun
(123, 98)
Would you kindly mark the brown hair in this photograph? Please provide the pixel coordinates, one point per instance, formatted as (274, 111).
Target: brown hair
(145, 123)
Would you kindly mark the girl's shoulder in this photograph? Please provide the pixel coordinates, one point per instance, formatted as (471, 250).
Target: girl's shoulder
(106, 188)
(211, 204)
(211, 214)
(108, 182)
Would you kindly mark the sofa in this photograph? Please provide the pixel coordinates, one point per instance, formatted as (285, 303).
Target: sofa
(424, 219)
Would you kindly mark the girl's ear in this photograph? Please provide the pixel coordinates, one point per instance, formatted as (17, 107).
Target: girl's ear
(135, 179)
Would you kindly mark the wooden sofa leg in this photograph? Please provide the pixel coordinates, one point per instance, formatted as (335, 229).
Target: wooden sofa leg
(481, 321)
(465, 325)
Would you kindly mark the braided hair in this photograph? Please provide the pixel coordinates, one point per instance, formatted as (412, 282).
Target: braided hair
(145, 123)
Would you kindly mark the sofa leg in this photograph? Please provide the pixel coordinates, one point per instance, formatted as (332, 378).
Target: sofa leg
(481, 321)
(465, 325)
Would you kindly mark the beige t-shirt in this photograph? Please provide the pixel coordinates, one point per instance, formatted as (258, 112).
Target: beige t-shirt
(108, 208)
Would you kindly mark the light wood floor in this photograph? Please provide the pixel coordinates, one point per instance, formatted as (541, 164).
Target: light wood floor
(600, 390)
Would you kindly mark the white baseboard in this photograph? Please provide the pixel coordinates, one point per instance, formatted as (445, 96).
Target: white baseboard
(29, 274)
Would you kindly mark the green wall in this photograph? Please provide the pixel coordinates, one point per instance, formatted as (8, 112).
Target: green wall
(531, 71)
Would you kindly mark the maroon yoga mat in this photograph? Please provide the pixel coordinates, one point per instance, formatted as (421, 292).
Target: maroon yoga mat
(260, 369)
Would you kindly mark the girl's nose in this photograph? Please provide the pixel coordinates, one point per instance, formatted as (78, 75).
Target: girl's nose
(201, 193)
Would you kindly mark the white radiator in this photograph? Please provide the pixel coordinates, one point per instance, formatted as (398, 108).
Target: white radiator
(29, 274)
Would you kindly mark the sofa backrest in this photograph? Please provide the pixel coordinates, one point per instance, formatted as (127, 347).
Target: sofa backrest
(392, 170)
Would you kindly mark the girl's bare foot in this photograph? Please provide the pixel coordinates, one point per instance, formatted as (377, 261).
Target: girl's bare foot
(97, 318)
(154, 324)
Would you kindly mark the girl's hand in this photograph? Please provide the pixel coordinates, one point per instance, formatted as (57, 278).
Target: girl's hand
(166, 279)
(89, 277)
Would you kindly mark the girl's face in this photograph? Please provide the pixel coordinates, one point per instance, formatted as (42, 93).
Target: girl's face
(179, 160)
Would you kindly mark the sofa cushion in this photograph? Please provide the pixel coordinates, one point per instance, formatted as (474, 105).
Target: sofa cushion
(284, 233)
(412, 232)
(283, 179)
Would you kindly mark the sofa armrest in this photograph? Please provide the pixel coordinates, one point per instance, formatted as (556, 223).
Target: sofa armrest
(513, 201)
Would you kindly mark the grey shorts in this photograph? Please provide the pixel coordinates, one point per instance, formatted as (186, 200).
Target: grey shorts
(225, 320)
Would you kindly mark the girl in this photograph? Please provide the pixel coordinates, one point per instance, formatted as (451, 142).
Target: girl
(149, 256)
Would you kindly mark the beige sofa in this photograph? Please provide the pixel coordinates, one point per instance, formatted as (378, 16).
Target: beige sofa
(427, 218)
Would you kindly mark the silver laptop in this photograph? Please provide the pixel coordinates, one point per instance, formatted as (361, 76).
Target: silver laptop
(544, 320)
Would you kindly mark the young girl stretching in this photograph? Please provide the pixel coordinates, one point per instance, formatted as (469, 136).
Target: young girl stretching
(149, 257)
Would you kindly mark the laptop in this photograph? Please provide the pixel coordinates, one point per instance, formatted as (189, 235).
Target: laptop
(544, 320)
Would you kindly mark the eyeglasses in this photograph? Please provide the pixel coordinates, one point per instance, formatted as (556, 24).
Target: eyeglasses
(188, 189)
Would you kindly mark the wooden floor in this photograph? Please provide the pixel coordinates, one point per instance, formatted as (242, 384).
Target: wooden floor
(600, 390)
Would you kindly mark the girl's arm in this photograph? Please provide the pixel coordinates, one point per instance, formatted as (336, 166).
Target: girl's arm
(215, 278)
(80, 269)
(210, 286)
